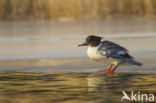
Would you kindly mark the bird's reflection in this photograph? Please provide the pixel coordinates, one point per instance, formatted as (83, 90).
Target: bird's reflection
(109, 87)
(103, 82)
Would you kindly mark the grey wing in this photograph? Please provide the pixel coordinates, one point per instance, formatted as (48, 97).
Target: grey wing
(110, 49)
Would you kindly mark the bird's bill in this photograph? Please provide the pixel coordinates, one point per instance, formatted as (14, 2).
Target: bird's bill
(84, 44)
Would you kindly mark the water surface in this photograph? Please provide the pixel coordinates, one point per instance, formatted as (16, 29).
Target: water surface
(72, 87)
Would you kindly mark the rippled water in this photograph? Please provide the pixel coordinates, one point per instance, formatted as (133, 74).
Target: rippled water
(24, 87)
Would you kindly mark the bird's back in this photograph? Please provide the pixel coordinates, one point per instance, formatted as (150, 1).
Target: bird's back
(116, 52)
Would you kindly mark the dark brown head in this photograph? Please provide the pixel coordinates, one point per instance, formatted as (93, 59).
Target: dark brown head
(92, 41)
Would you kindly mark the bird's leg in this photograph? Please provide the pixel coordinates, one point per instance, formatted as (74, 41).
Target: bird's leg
(107, 70)
(112, 70)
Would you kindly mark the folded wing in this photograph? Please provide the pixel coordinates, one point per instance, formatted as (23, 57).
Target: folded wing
(110, 49)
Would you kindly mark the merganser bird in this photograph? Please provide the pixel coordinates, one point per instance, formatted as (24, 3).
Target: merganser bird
(108, 51)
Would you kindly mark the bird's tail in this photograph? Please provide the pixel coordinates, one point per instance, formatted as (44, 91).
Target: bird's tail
(131, 61)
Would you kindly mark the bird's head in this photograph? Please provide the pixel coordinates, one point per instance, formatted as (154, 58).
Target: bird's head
(92, 41)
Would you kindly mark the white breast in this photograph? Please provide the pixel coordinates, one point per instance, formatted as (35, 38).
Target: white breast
(94, 54)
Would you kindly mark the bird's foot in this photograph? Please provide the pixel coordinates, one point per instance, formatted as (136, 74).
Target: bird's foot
(109, 69)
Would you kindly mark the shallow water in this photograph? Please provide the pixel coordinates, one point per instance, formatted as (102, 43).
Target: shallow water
(72, 87)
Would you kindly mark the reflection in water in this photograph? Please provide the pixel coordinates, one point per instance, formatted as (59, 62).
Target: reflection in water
(20, 87)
